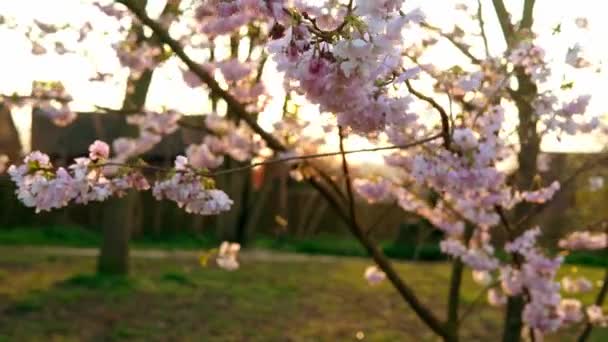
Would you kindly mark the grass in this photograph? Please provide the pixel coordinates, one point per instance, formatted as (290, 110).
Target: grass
(318, 245)
(318, 299)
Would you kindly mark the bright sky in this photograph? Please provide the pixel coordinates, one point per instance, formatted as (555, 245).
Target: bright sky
(19, 68)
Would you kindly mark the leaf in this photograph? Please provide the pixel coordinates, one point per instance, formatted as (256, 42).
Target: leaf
(280, 221)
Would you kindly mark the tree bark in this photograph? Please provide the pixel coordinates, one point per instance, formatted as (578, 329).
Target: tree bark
(118, 213)
(114, 255)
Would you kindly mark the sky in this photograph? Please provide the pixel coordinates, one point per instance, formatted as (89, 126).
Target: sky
(19, 67)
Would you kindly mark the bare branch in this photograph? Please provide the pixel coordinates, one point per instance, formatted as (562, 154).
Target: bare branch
(405, 291)
(445, 119)
(482, 28)
(326, 154)
(504, 18)
(459, 45)
(527, 18)
(565, 183)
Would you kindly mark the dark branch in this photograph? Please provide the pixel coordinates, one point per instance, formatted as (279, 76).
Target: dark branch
(504, 18)
(482, 27)
(527, 18)
(445, 119)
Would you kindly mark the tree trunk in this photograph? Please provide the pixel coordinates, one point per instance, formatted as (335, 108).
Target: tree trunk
(114, 256)
(9, 137)
(118, 214)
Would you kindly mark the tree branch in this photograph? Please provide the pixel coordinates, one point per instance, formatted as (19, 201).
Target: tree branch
(504, 18)
(565, 183)
(445, 119)
(459, 45)
(482, 26)
(527, 18)
(406, 293)
(455, 284)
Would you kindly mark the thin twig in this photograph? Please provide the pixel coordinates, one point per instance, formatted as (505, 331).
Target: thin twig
(564, 184)
(460, 46)
(327, 154)
(482, 28)
(445, 120)
(475, 301)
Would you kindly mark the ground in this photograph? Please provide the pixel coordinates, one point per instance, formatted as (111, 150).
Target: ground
(53, 295)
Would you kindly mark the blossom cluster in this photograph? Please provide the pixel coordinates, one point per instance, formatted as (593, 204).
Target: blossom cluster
(49, 98)
(191, 191)
(545, 310)
(342, 72)
(94, 179)
(42, 187)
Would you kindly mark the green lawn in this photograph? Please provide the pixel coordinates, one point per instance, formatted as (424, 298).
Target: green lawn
(50, 298)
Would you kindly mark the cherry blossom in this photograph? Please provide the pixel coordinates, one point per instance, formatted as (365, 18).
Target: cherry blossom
(227, 256)
(584, 240)
(374, 275)
(576, 285)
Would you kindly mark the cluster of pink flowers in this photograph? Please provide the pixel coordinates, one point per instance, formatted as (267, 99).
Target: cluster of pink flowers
(49, 98)
(373, 191)
(531, 58)
(152, 127)
(576, 285)
(346, 76)
(584, 240)
(138, 57)
(42, 187)
(61, 115)
(227, 138)
(596, 316)
(191, 190)
(224, 17)
(541, 195)
(545, 310)
(96, 178)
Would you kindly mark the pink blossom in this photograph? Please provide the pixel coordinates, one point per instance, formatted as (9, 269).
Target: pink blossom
(596, 316)
(373, 191)
(496, 297)
(541, 195)
(570, 311)
(584, 240)
(576, 285)
(482, 277)
(465, 138)
(227, 257)
(374, 275)
(99, 150)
